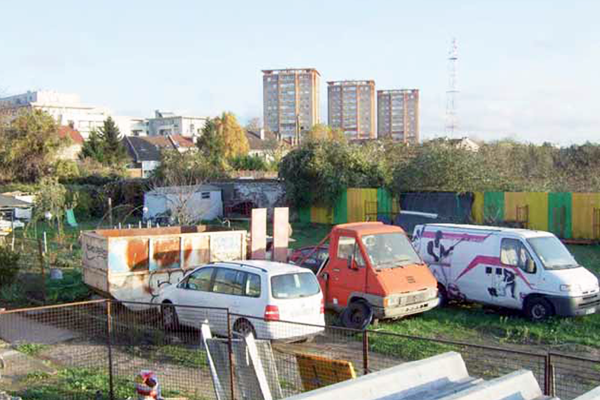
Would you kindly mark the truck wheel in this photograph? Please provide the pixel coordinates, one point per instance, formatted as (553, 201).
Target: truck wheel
(442, 296)
(357, 315)
(169, 317)
(538, 309)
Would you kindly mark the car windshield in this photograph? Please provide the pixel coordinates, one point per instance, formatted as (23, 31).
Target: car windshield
(390, 250)
(552, 253)
(294, 286)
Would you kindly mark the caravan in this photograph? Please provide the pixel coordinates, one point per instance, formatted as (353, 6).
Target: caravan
(513, 268)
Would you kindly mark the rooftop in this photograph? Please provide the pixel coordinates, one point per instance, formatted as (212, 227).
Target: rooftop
(289, 70)
(73, 134)
(350, 83)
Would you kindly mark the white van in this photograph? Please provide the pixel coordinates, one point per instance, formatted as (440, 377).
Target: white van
(513, 268)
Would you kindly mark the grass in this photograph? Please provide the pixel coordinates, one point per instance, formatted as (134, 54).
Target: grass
(81, 383)
(31, 349)
(173, 354)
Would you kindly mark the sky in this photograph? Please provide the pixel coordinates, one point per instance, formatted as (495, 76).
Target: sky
(527, 69)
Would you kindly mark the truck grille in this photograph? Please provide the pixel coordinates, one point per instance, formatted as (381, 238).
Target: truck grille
(416, 298)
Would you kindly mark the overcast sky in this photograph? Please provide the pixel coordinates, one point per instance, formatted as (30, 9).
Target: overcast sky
(527, 69)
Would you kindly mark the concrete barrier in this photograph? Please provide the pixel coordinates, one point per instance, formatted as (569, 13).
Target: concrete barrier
(418, 380)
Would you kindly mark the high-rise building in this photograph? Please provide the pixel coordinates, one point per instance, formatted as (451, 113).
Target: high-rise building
(290, 100)
(351, 108)
(398, 114)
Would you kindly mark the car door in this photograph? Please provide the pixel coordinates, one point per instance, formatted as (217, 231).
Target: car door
(227, 293)
(348, 271)
(519, 273)
(194, 291)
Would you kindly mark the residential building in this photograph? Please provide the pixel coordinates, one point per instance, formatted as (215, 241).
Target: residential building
(290, 101)
(262, 143)
(145, 151)
(351, 108)
(168, 123)
(398, 115)
(72, 150)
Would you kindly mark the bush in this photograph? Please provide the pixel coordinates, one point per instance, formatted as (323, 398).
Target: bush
(9, 266)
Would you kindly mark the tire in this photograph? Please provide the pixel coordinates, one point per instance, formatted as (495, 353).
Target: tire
(538, 309)
(357, 315)
(442, 296)
(243, 327)
(170, 320)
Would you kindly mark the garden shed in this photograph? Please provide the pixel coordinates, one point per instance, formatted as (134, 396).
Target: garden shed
(184, 203)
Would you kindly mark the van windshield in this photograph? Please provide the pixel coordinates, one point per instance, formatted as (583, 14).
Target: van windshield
(552, 253)
(389, 250)
(294, 286)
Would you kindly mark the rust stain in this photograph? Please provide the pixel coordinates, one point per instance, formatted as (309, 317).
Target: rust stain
(137, 254)
(166, 253)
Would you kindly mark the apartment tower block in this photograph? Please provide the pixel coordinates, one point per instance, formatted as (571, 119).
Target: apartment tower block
(398, 115)
(351, 108)
(290, 101)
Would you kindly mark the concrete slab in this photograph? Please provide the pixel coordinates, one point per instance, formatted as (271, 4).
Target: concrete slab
(17, 329)
(593, 394)
(405, 381)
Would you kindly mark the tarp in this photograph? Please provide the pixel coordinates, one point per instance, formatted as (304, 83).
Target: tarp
(450, 207)
(560, 214)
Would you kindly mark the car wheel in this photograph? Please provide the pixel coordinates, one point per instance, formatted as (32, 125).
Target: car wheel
(357, 315)
(442, 296)
(244, 327)
(169, 316)
(538, 309)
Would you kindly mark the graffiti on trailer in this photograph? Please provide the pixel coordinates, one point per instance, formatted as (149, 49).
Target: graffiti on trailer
(158, 279)
(93, 253)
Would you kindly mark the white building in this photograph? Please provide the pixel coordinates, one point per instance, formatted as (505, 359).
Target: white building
(168, 123)
(66, 109)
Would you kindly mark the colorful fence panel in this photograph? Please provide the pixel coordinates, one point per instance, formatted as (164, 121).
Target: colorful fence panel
(493, 208)
(477, 208)
(560, 212)
(584, 221)
(357, 199)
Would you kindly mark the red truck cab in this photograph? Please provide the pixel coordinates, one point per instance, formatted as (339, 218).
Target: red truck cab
(374, 272)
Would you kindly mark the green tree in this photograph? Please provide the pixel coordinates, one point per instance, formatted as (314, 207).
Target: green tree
(324, 132)
(29, 146)
(51, 198)
(105, 145)
(211, 144)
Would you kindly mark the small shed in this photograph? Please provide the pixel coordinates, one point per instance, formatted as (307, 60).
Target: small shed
(9, 206)
(196, 203)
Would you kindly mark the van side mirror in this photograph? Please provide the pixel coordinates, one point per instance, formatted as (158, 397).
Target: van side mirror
(351, 262)
(530, 268)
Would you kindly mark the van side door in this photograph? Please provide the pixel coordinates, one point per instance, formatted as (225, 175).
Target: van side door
(193, 291)
(516, 276)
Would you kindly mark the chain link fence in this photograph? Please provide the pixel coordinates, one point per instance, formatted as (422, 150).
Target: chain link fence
(96, 349)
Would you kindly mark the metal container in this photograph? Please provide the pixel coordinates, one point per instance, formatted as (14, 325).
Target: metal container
(133, 264)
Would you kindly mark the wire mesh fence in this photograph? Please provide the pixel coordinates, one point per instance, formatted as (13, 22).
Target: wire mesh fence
(96, 350)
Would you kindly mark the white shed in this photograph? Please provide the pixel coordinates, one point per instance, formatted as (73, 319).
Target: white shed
(192, 203)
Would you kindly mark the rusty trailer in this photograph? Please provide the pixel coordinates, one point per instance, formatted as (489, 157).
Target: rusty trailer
(133, 264)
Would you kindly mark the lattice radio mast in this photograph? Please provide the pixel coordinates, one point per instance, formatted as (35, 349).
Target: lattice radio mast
(452, 92)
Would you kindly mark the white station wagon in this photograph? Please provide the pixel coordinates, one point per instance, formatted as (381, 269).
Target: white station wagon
(262, 295)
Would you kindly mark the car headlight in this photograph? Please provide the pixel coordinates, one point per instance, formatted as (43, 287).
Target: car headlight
(572, 288)
(391, 301)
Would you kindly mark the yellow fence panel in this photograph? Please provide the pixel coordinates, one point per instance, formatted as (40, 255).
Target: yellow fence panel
(538, 210)
(477, 208)
(321, 215)
(583, 215)
(356, 203)
(513, 200)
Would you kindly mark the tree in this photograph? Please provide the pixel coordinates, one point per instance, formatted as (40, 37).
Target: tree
(105, 145)
(234, 136)
(29, 146)
(254, 125)
(324, 132)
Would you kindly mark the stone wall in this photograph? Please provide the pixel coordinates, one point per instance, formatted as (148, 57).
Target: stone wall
(243, 194)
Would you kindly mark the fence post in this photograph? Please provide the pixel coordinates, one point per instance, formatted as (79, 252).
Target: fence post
(42, 256)
(111, 394)
(230, 351)
(366, 352)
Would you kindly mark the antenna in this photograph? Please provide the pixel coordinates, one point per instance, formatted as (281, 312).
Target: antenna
(452, 92)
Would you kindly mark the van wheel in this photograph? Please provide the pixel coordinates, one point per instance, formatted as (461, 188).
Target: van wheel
(538, 309)
(244, 327)
(357, 315)
(169, 317)
(442, 296)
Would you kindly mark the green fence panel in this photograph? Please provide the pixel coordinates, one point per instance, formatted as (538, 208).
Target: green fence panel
(384, 201)
(560, 214)
(493, 207)
(304, 215)
(340, 210)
